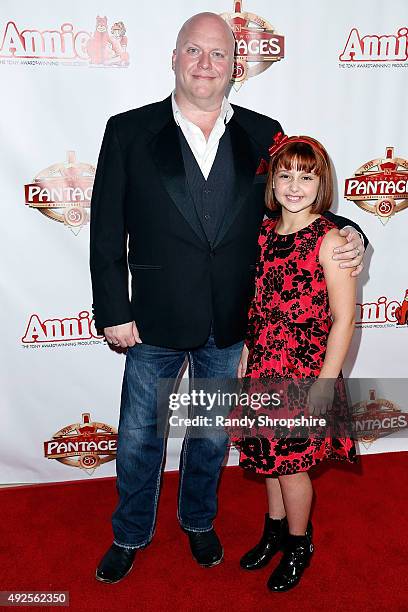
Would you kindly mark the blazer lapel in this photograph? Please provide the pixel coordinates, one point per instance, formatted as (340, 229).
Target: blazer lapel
(245, 164)
(166, 152)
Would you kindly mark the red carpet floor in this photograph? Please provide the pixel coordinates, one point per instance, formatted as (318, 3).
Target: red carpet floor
(53, 535)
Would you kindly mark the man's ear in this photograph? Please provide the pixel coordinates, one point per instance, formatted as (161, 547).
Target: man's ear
(173, 59)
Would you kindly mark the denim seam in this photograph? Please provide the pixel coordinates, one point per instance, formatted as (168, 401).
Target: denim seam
(186, 438)
(156, 497)
(198, 530)
(131, 547)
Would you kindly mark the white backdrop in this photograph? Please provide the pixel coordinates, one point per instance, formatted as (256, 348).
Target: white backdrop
(53, 116)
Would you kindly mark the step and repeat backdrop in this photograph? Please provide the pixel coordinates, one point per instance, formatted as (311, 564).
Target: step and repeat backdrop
(335, 71)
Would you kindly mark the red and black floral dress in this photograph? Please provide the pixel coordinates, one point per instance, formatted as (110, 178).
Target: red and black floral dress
(289, 323)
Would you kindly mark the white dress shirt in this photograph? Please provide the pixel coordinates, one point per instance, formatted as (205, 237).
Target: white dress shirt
(203, 150)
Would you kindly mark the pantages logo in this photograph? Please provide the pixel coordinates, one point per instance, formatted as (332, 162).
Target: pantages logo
(65, 45)
(257, 43)
(376, 48)
(83, 445)
(380, 186)
(62, 192)
(384, 312)
(377, 418)
(69, 331)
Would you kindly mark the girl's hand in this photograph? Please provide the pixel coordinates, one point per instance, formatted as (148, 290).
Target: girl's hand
(242, 366)
(320, 398)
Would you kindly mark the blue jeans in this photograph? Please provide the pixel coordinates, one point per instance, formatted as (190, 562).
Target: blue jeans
(141, 451)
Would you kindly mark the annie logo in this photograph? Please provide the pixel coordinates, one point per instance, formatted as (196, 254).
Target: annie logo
(380, 186)
(376, 418)
(383, 312)
(62, 192)
(72, 329)
(374, 48)
(257, 43)
(401, 313)
(63, 45)
(83, 445)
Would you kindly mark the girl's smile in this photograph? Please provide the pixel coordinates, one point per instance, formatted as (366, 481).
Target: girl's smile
(295, 190)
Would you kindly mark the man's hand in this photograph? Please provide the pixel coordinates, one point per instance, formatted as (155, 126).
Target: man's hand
(352, 253)
(242, 366)
(122, 335)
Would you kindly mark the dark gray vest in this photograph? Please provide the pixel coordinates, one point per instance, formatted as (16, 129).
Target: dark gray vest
(211, 198)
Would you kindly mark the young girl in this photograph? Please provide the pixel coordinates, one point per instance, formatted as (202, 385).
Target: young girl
(300, 325)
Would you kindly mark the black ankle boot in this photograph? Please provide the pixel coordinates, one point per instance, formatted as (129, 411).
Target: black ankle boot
(273, 538)
(296, 557)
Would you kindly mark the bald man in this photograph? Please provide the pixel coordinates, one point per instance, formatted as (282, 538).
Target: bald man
(179, 178)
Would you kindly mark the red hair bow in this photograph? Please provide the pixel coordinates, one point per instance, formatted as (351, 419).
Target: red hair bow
(280, 140)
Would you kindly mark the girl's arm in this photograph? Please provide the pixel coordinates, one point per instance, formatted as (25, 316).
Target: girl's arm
(341, 288)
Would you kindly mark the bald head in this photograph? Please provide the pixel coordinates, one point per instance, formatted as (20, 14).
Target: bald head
(207, 20)
(203, 62)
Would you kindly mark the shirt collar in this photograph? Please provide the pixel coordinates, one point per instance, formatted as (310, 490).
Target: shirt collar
(225, 114)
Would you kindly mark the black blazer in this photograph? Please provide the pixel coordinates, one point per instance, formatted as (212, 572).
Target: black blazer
(180, 285)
